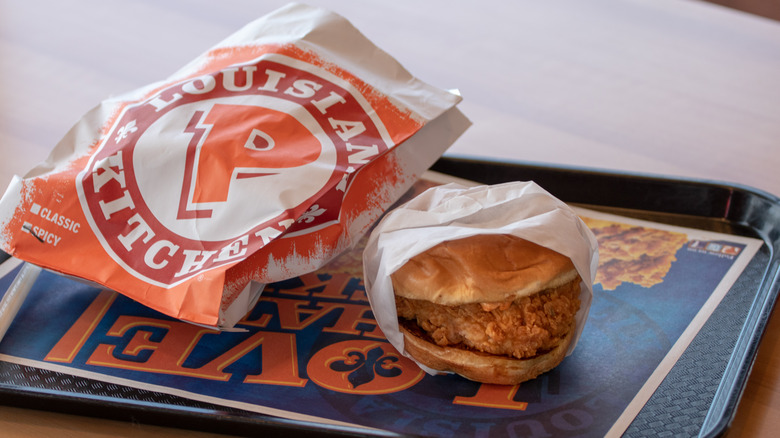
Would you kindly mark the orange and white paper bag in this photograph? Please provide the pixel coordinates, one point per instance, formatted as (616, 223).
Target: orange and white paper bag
(259, 161)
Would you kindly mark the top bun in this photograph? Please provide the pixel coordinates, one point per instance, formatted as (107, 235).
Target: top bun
(486, 268)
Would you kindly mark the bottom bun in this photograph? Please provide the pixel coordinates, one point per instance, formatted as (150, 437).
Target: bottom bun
(483, 367)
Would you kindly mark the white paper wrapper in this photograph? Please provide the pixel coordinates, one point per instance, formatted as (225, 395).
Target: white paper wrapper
(451, 212)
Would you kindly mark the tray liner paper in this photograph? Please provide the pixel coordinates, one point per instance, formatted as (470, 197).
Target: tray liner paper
(259, 161)
(312, 350)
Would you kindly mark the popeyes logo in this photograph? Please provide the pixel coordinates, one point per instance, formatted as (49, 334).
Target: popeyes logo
(211, 169)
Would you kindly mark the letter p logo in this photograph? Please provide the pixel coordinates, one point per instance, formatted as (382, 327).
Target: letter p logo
(233, 142)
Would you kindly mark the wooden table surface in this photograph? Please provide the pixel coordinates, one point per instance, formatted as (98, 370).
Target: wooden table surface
(664, 87)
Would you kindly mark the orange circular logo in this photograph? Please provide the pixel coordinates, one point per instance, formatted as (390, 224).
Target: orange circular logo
(201, 174)
(363, 367)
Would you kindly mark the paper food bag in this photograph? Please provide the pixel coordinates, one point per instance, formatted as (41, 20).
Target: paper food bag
(258, 161)
(453, 211)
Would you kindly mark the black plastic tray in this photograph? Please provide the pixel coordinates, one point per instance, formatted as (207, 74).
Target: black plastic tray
(713, 370)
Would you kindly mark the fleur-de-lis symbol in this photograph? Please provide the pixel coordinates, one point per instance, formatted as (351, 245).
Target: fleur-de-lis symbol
(364, 368)
(312, 214)
(125, 130)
